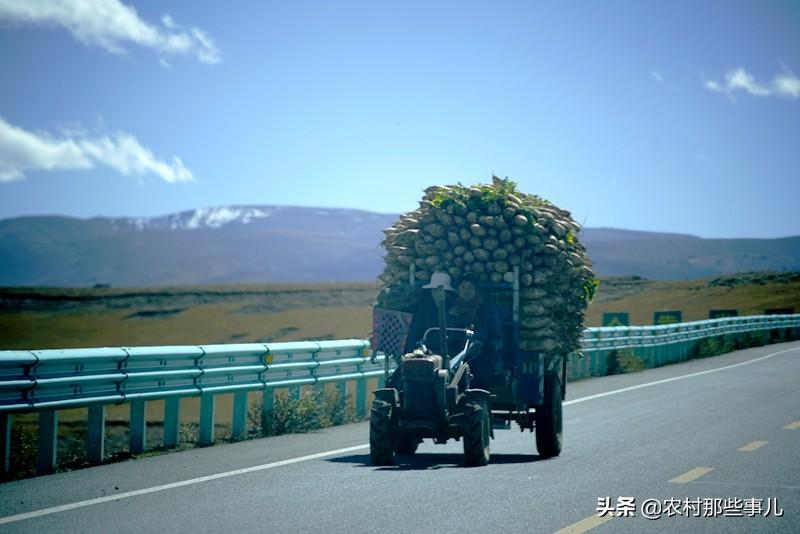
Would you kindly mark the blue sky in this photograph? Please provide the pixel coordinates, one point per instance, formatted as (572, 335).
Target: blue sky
(680, 116)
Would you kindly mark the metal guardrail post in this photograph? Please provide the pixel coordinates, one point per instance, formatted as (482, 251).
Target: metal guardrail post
(5, 443)
(239, 423)
(361, 397)
(138, 426)
(267, 410)
(96, 434)
(660, 350)
(318, 388)
(206, 419)
(341, 389)
(670, 347)
(643, 351)
(361, 390)
(48, 442)
(172, 421)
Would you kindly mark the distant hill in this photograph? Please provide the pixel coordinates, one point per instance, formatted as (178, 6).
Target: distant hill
(207, 246)
(676, 256)
(246, 244)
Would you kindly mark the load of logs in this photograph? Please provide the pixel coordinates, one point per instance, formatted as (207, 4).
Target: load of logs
(487, 230)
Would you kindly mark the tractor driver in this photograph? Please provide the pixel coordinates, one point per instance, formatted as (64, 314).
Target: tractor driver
(471, 311)
(426, 313)
(465, 308)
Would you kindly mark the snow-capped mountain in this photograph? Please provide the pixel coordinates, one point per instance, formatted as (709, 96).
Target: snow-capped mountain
(199, 218)
(290, 218)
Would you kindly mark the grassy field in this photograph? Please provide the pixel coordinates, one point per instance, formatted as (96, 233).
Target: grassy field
(750, 293)
(64, 318)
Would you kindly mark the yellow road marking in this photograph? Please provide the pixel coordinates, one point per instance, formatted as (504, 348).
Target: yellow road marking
(694, 474)
(793, 426)
(585, 524)
(752, 446)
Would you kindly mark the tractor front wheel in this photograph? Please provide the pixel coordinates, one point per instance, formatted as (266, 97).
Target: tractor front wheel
(381, 433)
(476, 433)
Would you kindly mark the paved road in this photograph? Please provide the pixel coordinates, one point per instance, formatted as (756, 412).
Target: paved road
(720, 428)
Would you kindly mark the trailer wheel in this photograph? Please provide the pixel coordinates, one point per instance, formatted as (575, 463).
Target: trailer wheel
(406, 444)
(476, 433)
(381, 433)
(549, 420)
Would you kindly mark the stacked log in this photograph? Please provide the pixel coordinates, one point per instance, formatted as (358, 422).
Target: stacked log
(487, 230)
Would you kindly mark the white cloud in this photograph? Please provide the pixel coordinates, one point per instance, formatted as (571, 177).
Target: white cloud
(168, 22)
(111, 25)
(656, 76)
(22, 151)
(786, 85)
(741, 79)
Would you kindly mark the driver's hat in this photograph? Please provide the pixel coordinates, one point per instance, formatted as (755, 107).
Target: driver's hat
(439, 279)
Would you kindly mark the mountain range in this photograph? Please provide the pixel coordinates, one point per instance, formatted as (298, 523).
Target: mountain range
(261, 244)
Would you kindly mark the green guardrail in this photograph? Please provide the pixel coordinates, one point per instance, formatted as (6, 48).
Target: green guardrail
(46, 381)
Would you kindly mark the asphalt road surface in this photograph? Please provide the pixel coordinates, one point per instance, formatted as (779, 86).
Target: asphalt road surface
(717, 438)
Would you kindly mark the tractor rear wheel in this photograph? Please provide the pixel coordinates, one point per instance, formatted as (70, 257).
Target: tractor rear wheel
(381, 433)
(549, 420)
(476, 433)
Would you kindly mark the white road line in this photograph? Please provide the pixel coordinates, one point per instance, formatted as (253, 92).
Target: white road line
(172, 485)
(692, 474)
(289, 461)
(585, 525)
(750, 447)
(675, 378)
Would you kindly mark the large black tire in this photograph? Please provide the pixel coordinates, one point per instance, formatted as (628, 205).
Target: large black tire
(549, 419)
(381, 433)
(406, 443)
(476, 433)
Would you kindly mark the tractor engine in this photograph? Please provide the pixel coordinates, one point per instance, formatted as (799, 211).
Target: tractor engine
(423, 389)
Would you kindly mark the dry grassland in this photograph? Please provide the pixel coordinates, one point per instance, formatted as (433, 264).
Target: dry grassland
(70, 318)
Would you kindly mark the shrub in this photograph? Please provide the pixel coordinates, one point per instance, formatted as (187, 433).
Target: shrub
(24, 448)
(299, 415)
(189, 433)
(72, 448)
(311, 411)
(624, 361)
(628, 362)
